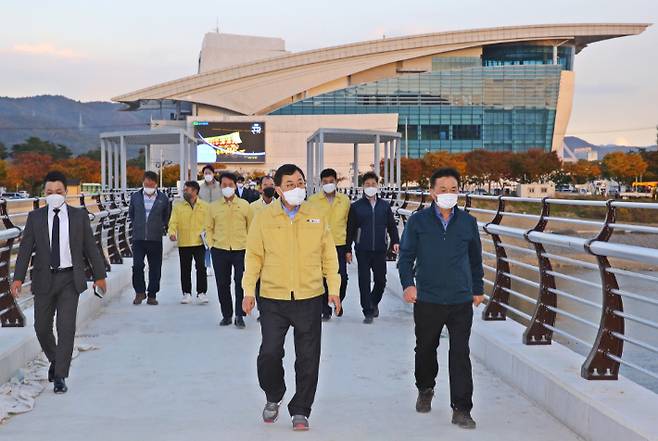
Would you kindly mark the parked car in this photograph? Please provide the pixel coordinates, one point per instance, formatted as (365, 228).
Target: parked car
(14, 195)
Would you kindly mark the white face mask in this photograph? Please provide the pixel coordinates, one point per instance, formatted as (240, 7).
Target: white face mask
(208, 178)
(370, 191)
(55, 200)
(149, 191)
(228, 192)
(329, 188)
(446, 200)
(295, 196)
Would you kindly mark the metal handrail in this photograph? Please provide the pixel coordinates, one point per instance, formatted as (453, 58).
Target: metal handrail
(503, 230)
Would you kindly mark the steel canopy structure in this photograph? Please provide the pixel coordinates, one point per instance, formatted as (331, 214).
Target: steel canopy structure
(114, 153)
(392, 153)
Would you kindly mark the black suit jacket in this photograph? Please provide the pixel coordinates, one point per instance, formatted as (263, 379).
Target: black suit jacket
(248, 194)
(36, 239)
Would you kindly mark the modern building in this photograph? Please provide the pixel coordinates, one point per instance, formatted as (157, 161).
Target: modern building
(501, 89)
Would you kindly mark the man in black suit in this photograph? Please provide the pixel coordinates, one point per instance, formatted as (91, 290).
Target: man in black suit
(58, 274)
(246, 193)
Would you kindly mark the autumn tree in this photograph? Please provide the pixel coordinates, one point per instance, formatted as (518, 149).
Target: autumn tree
(134, 176)
(434, 160)
(28, 170)
(624, 167)
(582, 171)
(170, 175)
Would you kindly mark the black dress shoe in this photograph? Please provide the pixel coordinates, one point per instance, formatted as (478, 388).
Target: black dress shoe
(60, 386)
(375, 312)
(225, 322)
(368, 320)
(340, 313)
(326, 317)
(239, 322)
(51, 372)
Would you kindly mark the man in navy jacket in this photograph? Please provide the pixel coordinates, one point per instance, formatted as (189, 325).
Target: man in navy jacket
(441, 273)
(369, 221)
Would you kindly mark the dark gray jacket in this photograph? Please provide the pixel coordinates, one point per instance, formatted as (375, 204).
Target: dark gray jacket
(155, 226)
(36, 239)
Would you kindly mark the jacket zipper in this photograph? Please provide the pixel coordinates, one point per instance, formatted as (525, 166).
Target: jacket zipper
(373, 225)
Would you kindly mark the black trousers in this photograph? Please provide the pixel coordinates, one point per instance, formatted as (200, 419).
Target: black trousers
(223, 262)
(341, 251)
(374, 261)
(305, 317)
(430, 319)
(185, 255)
(152, 250)
(62, 297)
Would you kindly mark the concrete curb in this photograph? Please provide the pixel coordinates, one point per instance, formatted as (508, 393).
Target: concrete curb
(21, 344)
(550, 376)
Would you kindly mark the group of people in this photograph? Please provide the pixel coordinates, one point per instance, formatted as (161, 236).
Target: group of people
(288, 255)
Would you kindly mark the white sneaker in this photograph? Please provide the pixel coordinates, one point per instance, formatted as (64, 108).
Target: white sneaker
(202, 298)
(187, 298)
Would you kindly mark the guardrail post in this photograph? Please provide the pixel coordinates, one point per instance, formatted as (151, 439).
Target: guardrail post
(124, 243)
(597, 365)
(112, 243)
(536, 333)
(10, 312)
(98, 234)
(494, 310)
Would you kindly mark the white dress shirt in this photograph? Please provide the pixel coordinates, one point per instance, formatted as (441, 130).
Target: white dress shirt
(65, 260)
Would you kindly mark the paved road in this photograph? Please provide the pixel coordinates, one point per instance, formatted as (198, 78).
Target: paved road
(170, 373)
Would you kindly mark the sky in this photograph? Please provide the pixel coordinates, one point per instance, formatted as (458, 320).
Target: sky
(94, 50)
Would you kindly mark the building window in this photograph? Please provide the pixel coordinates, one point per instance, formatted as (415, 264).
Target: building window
(434, 132)
(466, 131)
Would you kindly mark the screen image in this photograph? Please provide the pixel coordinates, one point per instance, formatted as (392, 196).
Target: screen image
(230, 142)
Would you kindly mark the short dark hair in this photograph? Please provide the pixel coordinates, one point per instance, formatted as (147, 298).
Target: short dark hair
(151, 176)
(443, 173)
(328, 172)
(240, 178)
(286, 170)
(228, 175)
(208, 167)
(262, 178)
(370, 175)
(194, 185)
(55, 176)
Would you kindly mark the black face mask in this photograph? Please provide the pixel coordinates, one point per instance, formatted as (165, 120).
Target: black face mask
(268, 192)
(188, 197)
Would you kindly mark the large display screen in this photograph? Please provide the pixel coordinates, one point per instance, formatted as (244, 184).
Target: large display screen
(230, 142)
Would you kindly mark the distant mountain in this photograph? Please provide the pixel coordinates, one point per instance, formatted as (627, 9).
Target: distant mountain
(64, 121)
(579, 146)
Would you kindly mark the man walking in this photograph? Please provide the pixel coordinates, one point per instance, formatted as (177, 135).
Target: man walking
(267, 193)
(227, 236)
(244, 192)
(187, 224)
(441, 273)
(370, 219)
(335, 207)
(209, 192)
(149, 214)
(291, 250)
(61, 239)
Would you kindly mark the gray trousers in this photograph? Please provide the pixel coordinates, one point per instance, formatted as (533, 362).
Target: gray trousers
(62, 298)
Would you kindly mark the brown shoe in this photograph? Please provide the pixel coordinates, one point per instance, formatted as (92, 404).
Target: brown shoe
(151, 301)
(139, 298)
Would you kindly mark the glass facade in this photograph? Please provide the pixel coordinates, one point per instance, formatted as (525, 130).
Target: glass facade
(502, 101)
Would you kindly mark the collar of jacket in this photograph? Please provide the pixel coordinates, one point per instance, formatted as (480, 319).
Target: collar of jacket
(281, 212)
(432, 211)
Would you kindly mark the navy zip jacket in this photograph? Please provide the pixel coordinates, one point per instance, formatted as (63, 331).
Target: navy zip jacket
(367, 227)
(445, 264)
(156, 225)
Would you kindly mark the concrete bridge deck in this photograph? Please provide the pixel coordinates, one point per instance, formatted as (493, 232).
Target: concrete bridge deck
(171, 373)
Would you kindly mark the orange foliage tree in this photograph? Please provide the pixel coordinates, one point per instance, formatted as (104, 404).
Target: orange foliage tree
(624, 166)
(28, 170)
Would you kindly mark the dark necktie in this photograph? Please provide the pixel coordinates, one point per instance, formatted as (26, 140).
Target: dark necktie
(54, 241)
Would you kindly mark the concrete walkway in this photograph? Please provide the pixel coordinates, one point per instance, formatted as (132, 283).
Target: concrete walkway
(170, 373)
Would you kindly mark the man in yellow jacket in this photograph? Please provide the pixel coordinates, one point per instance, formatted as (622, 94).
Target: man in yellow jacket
(291, 251)
(336, 207)
(226, 233)
(267, 193)
(186, 225)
